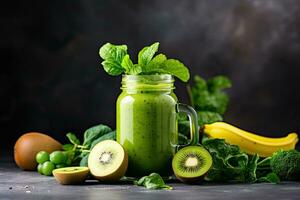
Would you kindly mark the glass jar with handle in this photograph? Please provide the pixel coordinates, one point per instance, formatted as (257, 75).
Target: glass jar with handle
(147, 115)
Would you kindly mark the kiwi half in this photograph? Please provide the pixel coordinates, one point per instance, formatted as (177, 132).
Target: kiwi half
(191, 163)
(71, 175)
(108, 161)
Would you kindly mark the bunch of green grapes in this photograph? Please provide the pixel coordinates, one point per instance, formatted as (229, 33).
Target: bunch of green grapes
(47, 163)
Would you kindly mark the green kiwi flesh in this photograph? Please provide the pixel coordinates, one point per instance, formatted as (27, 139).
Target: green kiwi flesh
(190, 164)
(71, 175)
(108, 161)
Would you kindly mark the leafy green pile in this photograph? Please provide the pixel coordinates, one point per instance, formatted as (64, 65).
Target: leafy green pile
(117, 61)
(230, 164)
(153, 181)
(78, 152)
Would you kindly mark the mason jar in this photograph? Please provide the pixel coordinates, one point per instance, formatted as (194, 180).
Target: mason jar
(147, 115)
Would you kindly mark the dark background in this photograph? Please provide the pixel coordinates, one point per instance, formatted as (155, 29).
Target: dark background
(52, 81)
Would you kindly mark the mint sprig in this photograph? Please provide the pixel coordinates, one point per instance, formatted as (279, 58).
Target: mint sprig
(117, 61)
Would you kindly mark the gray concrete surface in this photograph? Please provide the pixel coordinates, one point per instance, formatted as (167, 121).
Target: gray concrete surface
(17, 184)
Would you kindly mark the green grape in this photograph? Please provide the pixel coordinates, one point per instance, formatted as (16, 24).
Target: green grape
(40, 168)
(47, 168)
(42, 157)
(66, 156)
(57, 157)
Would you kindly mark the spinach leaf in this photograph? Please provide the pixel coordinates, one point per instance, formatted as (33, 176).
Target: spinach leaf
(108, 136)
(153, 181)
(84, 160)
(147, 53)
(73, 139)
(94, 133)
(113, 56)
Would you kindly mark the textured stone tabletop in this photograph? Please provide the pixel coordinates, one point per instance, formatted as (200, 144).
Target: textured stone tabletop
(17, 184)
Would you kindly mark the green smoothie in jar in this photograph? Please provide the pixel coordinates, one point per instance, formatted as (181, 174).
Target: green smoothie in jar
(147, 124)
(147, 107)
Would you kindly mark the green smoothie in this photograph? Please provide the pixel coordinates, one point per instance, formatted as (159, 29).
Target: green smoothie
(147, 127)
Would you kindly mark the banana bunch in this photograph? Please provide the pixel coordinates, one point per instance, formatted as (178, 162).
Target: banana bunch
(249, 142)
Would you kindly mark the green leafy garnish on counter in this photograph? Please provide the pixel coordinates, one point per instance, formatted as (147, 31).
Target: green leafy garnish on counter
(117, 61)
(153, 181)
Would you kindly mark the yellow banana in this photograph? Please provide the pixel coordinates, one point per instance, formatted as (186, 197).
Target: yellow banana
(249, 142)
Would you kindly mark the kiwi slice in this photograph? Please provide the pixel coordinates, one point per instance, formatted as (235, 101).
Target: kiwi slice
(108, 161)
(71, 175)
(191, 163)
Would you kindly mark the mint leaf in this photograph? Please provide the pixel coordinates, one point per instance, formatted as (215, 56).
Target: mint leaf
(113, 52)
(153, 181)
(73, 139)
(112, 68)
(147, 53)
(117, 61)
(154, 64)
(129, 67)
(113, 56)
(175, 68)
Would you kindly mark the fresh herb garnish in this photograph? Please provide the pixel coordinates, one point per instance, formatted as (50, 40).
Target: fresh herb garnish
(153, 181)
(117, 61)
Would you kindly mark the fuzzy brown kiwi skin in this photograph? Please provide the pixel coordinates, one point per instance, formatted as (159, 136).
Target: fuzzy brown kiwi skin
(118, 174)
(71, 178)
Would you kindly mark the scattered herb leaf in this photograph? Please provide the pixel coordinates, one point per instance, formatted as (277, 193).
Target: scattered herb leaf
(153, 181)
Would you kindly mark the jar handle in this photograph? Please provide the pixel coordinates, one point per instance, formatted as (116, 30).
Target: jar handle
(193, 118)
